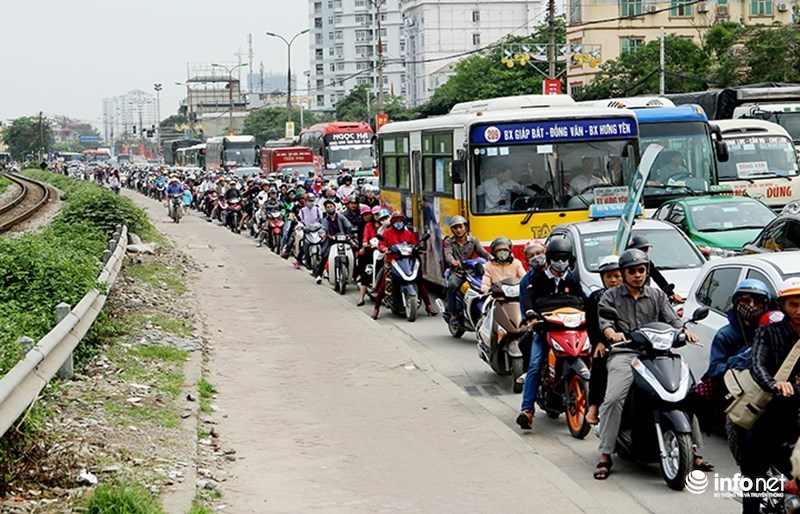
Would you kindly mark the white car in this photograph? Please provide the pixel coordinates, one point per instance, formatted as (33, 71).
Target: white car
(676, 256)
(714, 288)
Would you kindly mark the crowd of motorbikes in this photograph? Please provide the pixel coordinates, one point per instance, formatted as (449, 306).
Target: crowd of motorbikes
(656, 423)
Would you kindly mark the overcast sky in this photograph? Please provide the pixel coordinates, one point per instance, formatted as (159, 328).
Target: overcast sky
(65, 56)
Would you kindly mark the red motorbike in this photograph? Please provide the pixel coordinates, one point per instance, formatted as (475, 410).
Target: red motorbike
(208, 203)
(234, 214)
(565, 381)
(275, 228)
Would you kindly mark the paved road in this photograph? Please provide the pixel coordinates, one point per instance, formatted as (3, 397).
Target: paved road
(330, 410)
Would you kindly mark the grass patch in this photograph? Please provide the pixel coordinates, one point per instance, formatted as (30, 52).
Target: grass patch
(163, 353)
(155, 274)
(207, 390)
(122, 499)
(4, 183)
(198, 508)
(167, 324)
(124, 414)
(171, 383)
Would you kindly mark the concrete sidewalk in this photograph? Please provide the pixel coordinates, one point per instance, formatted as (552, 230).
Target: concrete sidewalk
(328, 410)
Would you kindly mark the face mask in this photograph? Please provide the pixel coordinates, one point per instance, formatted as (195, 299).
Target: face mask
(502, 255)
(560, 266)
(749, 312)
(385, 222)
(330, 210)
(398, 226)
(537, 261)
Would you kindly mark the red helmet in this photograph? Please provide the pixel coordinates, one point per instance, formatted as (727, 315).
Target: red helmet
(330, 192)
(397, 215)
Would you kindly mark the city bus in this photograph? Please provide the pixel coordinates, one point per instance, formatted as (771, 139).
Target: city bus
(762, 161)
(232, 152)
(341, 146)
(70, 156)
(171, 147)
(99, 155)
(436, 168)
(194, 156)
(692, 146)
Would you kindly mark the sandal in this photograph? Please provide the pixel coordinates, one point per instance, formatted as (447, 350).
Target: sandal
(701, 464)
(603, 470)
(360, 303)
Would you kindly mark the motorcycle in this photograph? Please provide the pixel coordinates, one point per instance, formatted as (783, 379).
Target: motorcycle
(402, 296)
(655, 424)
(209, 202)
(221, 208)
(275, 225)
(469, 302)
(340, 262)
(234, 214)
(160, 192)
(176, 208)
(375, 268)
(313, 236)
(565, 384)
(500, 330)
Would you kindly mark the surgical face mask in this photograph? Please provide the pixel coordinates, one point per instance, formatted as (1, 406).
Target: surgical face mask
(384, 222)
(330, 210)
(502, 255)
(537, 261)
(560, 266)
(398, 226)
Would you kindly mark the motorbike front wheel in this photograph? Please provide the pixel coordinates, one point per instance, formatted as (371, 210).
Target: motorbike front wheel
(577, 396)
(517, 369)
(412, 306)
(456, 330)
(341, 279)
(678, 460)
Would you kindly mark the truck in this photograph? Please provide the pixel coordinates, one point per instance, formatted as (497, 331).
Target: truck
(778, 102)
(297, 160)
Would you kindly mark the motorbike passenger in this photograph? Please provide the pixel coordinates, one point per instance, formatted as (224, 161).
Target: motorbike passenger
(353, 211)
(186, 198)
(611, 276)
(637, 304)
(534, 255)
(502, 265)
(383, 220)
(640, 242)
(346, 189)
(367, 231)
(459, 247)
(317, 187)
(777, 427)
(370, 197)
(394, 234)
(550, 289)
(333, 224)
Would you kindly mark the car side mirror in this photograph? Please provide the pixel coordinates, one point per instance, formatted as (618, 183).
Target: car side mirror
(700, 314)
(458, 171)
(609, 313)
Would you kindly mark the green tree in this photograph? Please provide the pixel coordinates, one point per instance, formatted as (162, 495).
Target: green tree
(483, 75)
(27, 135)
(636, 72)
(353, 107)
(762, 54)
(270, 123)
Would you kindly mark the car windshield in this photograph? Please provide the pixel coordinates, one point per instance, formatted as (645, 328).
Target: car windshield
(687, 162)
(670, 250)
(755, 157)
(721, 217)
(521, 177)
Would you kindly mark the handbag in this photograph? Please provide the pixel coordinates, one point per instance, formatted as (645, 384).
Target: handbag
(749, 400)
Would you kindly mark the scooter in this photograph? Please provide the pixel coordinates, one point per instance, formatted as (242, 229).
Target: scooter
(313, 236)
(469, 301)
(565, 384)
(209, 203)
(374, 270)
(221, 208)
(402, 295)
(177, 208)
(500, 330)
(234, 214)
(160, 192)
(340, 262)
(275, 227)
(655, 424)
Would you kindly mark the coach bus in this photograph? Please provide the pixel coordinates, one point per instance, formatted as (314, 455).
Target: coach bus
(194, 156)
(99, 155)
(232, 152)
(172, 146)
(545, 145)
(341, 146)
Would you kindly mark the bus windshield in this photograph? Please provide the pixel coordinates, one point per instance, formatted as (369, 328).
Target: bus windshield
(240, 154)
(758, 157)
(685, 165)
(518, 178)
(351, 156)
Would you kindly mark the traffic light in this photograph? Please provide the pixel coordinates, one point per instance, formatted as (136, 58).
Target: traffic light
(134, 129)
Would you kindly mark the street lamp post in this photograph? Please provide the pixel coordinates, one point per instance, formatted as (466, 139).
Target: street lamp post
(289, 67)
(230, 87)
(189, 110)
(158, 89)
(377, 4)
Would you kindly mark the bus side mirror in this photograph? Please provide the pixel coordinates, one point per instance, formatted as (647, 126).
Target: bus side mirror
(721, 148)
(458, 170)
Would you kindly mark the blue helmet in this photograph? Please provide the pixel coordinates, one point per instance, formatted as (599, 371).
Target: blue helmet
(752, 286)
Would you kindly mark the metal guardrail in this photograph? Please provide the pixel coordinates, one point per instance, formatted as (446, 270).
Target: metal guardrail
(22, 384)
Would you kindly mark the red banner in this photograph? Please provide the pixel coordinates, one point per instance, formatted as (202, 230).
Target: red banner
(381, 120)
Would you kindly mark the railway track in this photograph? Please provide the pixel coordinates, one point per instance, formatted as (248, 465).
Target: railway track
(32, 197)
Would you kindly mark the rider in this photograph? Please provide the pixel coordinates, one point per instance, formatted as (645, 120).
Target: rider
(502, 265)
(640, 242)
(637, 304)
(550, 289)
(353, 211)
(370, 197)
(366, 231)
(347, 189)
(458, 248)
(333, 225)
(611, 276)
(394, 234)
(174, 189)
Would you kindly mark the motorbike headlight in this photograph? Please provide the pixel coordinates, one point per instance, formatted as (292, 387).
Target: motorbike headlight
(405, 251)
(511, 291)
(571, 320)
(557, 347)
(659, 340)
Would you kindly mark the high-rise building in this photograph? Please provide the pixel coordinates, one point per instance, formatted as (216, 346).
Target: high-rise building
(437, 30)
(128, 114)
(344, 49)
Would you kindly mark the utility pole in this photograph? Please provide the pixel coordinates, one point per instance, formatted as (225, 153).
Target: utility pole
(378, 4)
(551, 33)
(158, 89)
(661, 63)
(230, 88)
(41, 137)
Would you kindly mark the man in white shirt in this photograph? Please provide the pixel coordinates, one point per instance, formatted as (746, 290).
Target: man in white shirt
(497, 191)
(586, 179)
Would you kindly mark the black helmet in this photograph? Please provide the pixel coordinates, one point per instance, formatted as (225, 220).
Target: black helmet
(633, 257)
(559, 249)
(639, 242)
(497, 241)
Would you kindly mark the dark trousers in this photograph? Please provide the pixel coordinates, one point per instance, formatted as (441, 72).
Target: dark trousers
(598, 381)
(325, 249)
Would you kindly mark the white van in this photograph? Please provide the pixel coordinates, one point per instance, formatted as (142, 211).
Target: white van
(763, 162)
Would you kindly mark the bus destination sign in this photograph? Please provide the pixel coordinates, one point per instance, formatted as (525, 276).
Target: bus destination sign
(553, 131)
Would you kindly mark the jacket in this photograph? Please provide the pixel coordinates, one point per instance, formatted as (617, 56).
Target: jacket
(593, 317)
(730, 349)
(494, 272)
(543, 294)
(392, 236)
